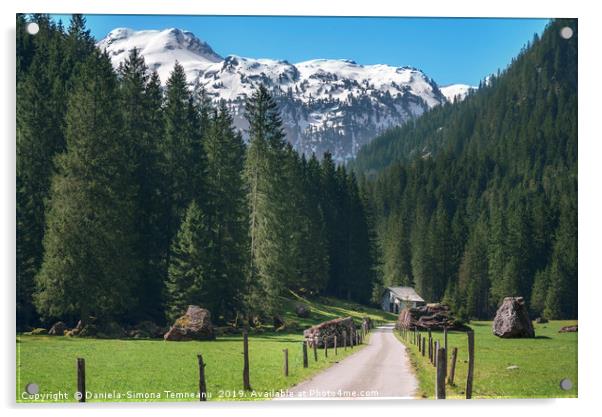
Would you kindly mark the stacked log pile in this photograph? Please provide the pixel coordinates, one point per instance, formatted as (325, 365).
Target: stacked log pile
(431, 316)
(325, 332)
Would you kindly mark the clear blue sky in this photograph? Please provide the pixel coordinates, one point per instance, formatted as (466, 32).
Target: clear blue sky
(448, 50)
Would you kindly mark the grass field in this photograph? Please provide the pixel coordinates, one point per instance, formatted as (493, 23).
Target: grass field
(542, 363)
(154, 370)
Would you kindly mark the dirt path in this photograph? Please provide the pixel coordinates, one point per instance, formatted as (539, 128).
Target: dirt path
(381, 369)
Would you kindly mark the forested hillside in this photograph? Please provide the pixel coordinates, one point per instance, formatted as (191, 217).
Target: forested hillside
(477, 200)
(135, 200)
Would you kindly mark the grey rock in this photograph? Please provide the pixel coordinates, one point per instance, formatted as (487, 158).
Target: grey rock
(194, 325)
(512, 319)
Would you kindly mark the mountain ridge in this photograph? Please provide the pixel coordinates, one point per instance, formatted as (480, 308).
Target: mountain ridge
(334, 105)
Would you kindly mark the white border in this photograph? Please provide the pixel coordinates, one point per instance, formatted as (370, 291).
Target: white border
(590, 207)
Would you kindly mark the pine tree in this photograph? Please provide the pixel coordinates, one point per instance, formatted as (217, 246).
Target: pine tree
(225, 212)
(422, 266)
(473, 279)
(187, 279)
(89, 259)
(269, 268)
(140, 101)
(332, 205)
(178, 149)
(39, 139)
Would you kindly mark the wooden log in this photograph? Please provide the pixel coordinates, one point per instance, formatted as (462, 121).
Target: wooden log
(285, 351)
(336, 352)
(202, 385)
(452, 369)
(81, 380)
(315, 349)
(246, 383)
(305, 361)
(470, 373)
(440, 381)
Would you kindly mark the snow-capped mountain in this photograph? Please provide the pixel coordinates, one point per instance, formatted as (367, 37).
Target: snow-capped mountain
(326, 104)
(455, 92)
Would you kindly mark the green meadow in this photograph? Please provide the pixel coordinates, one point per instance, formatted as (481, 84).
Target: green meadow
(542, 363)
(154, 370)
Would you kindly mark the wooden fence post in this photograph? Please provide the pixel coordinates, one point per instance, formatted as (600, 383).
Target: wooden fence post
(440, 381)
(431, 349)
(315, 349)
(345, 339)
(81, 380)
(305, 361)
(423, 345)
(452, 369)
(285, 361)
(470, 373)
(245, 370)
(335, 346)
(445, 339)
(202, 385)
(436, 355)
(325, 347)
(445, 346)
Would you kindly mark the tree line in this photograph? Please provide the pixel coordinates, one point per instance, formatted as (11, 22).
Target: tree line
(476, 201)
(136, 199)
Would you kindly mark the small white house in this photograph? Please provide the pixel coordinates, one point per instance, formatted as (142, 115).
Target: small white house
(395, 299)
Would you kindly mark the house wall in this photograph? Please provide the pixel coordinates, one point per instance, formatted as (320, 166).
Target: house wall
(389, 298)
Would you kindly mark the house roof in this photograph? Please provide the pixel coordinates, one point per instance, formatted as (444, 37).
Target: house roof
(405, 293)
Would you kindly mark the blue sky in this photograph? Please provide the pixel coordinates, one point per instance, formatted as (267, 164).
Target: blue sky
(448, 50)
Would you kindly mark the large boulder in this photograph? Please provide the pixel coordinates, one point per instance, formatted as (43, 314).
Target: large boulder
(194, 325)
(512, 319)
(57, 329)
(431, 316)
(327, 330)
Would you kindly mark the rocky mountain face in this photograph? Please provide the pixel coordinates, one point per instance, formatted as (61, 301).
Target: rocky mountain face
(334, 105)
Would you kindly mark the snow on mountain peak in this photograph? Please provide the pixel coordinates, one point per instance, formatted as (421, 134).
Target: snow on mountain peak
(455, 92)
(160, 48)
